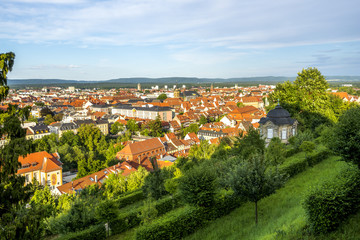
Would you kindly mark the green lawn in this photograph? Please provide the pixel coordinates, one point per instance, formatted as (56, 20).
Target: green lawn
(280, 215)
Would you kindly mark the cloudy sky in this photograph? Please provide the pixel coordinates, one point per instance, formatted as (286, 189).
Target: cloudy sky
(100, 40)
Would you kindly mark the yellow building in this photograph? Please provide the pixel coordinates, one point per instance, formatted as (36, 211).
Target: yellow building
(42, 167)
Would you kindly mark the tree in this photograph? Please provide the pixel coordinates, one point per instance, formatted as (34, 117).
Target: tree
(345, 137)
(136, 179)
(46, 111)
(275, 152)
(253, 180)
(307, 147)
(13, 191)
(198, 187)
(91, 137)
(162, 96)
(192, 128)
(154, 183)
(106, 211)
(155, 127)
(115, 185)
(202, 151)
(49, 119)
(132, 126)
(307, 99)
(203, 120)
(250, 144)
(116, 128)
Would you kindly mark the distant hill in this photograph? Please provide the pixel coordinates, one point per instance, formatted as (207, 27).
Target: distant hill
(131, 82)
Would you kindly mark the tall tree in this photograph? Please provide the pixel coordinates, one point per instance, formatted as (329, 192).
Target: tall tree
(253, 180)
(13, 191)
(345, 137)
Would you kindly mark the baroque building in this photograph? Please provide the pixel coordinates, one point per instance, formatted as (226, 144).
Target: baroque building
(278, 123)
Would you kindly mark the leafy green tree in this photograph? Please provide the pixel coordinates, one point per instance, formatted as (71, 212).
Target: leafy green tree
(155, 127)
(132, 126)
(162, 96)
(253, 180)
(49, 119)
(202, 151)
(307, 147)
(70, 138)
(240, 104)
(13, 191)
(115, 185)
(105, 212)
(345, 137)
(154, 183)
(116, 128)
(307, 99)
(47, 143)
(91, 137)
(191, 128)
(203, 120)
(46, 111)
(198, 187)
(42, 196)
(136, 179)
(148, 211)
(250, 144)
(275, 152)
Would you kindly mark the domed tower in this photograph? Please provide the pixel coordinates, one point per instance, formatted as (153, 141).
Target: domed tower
(278, 123)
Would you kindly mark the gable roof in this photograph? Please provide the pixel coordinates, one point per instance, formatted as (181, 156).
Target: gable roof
(42, 161)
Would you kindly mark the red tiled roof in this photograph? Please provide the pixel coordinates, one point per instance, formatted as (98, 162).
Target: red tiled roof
(36, 161)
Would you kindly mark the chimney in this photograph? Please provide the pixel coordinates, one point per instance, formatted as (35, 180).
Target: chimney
(45, 160)
(95, 178)
(139, 160)
(114, 167)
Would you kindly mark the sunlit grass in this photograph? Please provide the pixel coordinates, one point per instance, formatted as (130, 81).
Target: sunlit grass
(279, 214)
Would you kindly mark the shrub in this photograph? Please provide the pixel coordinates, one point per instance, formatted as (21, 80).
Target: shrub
(333, 202)
(132, 219)
(175, 225)
(96, 232)
(197, 187)
(130, 199)
(186, 220)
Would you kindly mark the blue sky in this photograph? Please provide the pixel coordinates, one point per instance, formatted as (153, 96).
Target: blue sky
(100, 40)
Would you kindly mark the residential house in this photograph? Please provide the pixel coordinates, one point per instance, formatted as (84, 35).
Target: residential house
(42, 167)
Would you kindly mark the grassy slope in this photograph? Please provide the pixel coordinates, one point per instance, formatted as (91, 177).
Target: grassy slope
(280, 215)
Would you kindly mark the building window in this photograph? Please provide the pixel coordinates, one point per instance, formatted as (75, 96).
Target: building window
(293, 132)
(283, 135)
(270, 133)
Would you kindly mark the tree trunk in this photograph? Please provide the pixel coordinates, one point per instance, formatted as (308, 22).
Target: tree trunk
(256, 213)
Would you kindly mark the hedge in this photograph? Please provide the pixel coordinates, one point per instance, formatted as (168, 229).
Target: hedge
(333, 202)
(132, 219)
(299, 165)
(176, 225)
(186, 220)
(96, 232)
(130, 199)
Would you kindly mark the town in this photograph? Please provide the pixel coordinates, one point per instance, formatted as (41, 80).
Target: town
(186, 117)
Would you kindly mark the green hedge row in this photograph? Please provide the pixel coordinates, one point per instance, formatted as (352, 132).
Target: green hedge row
(333, 202)
(299, 165)
(130, 199)
(132, 219)
(186, 220)
(96, 232)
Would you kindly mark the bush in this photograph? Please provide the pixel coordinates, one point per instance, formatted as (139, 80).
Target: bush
(184, 221)
(130, 199)
(132, 219)
(175, 225)
(333, 202)
(299, 164)
(198, 187)
(93, 233)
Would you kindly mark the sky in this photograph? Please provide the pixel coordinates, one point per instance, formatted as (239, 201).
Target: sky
(109, 39)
